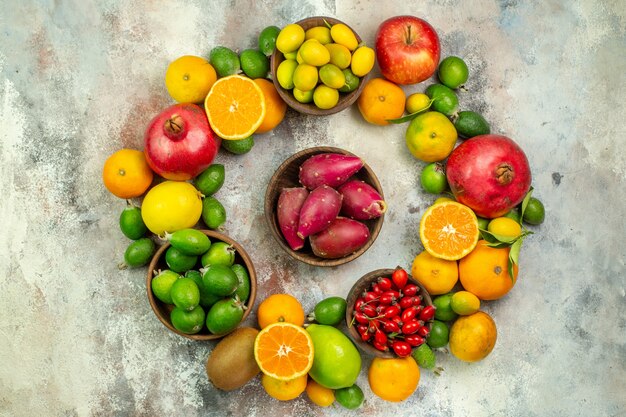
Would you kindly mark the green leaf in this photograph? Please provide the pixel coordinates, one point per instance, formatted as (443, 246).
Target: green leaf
(499, 245)
(525, 204)
(411, 116)
(494, 238)
(514, 255)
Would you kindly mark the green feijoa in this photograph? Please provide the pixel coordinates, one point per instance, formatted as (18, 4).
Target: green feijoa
(219, 280)
(224, 316)
(131, 223)
(185, 294)
(254, 63)
(267, 39)
(444, 99)
(424, 356)
(189, 241)
(352, 81)
(225, 61)
(206, 298)
(220, 253)
(350, 397)
(535, 212)
(469, 124)
(179, 261)
(453, 72)
(213, 212)
(188, 322)
(139, 252)
(239, 147)
(162, 285)
(330, 311)
(243, 287)
(211, 179)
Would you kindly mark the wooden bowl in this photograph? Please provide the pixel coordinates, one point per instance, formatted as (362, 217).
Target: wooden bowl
(345, 99)
(357, 289)
(286, 176)
(162, 310)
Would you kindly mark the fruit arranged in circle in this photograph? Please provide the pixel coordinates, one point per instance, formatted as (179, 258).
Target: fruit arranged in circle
(464, 303)
(235, 107)
(437, 275)
(126, 174)
(351, 397)
(452, 72)
(275, 107)
(393, 379)
(319, 395)
(484, 272)
(189, 78)
(284, 351)
(535, 213)
(171, 206)
(430, 137)
(337, 362)
(473, 337)
(284, 390)
(280, 308)
(381, 101)
(449, 230)
(505, 227)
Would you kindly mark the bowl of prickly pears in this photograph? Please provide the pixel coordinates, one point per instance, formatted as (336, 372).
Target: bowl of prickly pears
(389, 313)
(324, 206)
(201, 284)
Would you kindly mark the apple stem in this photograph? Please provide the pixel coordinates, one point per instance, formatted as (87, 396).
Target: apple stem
(409, 37)
(174, 125)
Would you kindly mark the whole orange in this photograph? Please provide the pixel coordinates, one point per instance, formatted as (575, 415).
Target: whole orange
(437, 275)
(380, 101)
(485, 272)
(275, 107)
(473, 337)
(126, 173)
(279, 308)
(394, 379)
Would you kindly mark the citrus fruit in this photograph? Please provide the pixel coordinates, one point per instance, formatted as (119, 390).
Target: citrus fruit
(430, 137)
(267, 39)
(443, 200)
(319, 33)
(444, 99)
(424, 356)
(318, 394)
(339, 55)
(225, 61)
(505, 227)
(284, 390)
(303, 96)
(213, 212)
(473, 337)
(469, 124)
(284, 73)
(187, 321)
(433, 178)
(535, 213)
(417, 102)
(131, 223)
(188, 79)
(254, 63)
(453, 72)
(351, 397)
(235, 107)
(325, 97)
(162, 285)
(449, 230)
(305, 77)
(280, 308)
(352, 81)
(332, 76)
(485, 273)
(284, 351)
(210, 180)
(513, 214)
(362, 61)
(240, 146)
(380, 101)
(290, 38)
(482, 223)
(126, 173)
(343, 35)
(444, 310)
(437, 275)
(464, 303)
(330, 311)
(139, 253)
(171, 206)
(275, 107)
(439, 334)
(394, 379)
(185, 294)
(314, 53)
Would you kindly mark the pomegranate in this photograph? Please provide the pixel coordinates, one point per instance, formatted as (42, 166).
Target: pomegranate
(489, 174)
(179, 143)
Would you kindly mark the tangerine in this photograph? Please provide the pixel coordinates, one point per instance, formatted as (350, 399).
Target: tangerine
(189, 78)
(280, 308)
(485, 272)
(394, 379)
(449, 230)
(275, 107)
(437, 275)
(284, 351)
(126, 174)
(473, 337)
(284, 390)
(381, 100)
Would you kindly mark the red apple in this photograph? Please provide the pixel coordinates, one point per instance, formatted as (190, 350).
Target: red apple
(179, 143)
(407, 49)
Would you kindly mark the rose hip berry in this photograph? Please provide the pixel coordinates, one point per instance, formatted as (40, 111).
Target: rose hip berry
(399, 278)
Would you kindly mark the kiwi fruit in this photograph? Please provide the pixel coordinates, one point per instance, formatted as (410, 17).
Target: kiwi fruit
(231, 363)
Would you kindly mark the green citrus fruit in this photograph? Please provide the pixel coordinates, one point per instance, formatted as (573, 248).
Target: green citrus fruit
(254, 63)
(330, 311)
(352, 81)
(444, 309)
(139, 252)
(351, 397)
(206, 298)
(178, 261)
(453, 72)
(220, 253)
(535, 213)
(433, 178)
(267, 39)
(464, 303)
(332, 76)
(220, 280)
(303, 96)
(213, 212)
(239, 147)
(225, 61)
(189, 241)
(337, 362)
(131, 223)
(444, 99)
(284, 73)
(439, 334)
(224, 316)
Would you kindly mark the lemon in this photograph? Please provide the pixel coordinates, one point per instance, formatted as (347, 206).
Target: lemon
(325, 97)
(305, 77)
(332, 76)
(303, 96)
(417, 102)
(188, 79)
(314, 53)
(290, 38)
(291, 55)
(284, 73)
(431, 137)
(320, 33)
(464, 303)
(362, 61)
(506, 227)
(171, 206)
(339, 55)
(343, 35)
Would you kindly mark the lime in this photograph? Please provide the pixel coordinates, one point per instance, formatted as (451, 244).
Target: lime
(314, 53)
(206, 298)
(439, 334)
(178, 261)
(220, 280)
(139, 252)
(325, 97)
(303, 96)
(290, 38)
(464, 303)
(305, 77)
(444, 310)
(162, 284)
(444, 99)
(352, 81)
(513, 214)
(332, 76)
(424, 356)
(243, 286)
(339, 55)
(267, 39)
(351, 397)
(131, 223)
(433, 178)
(254, 63)
(319, 33)
(224, 316)
(535, 213)
(220, 253)
(189, 241)
(330, 311)
(470, 124)
(453, 72)
(225, 61)
(185, 294)
(238, 147)
(213, 212)
(482, 224)
(188, 322)
(417, 102)
(211, 179)
(284, 73)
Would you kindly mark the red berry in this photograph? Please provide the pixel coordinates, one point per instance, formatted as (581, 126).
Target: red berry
(370, 296)
(391, 311)
(377, 289)
(392, 293)
(382, 348)
(384, 283)
(374, 325)
(358, 303)
(408, 314)
(411, 327)
(397, 320)
(361, 328)
(361, 318)
(401, 348)
(366, 336)
(387, 299)
(369, 310)
(380, 337)
(410, 289)
(399, 278)
(423, 331)
(414, 339)
(427, 313)
(391, 326)
(406, 302)
(417, 300)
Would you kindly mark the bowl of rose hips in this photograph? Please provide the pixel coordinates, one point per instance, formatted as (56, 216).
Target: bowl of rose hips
(389, 313)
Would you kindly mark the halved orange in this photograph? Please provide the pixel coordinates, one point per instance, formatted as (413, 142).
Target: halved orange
(235, 107)
(449, 230)
(284, 351)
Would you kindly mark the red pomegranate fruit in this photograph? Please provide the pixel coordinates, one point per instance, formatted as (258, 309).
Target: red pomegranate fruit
(179, 143)
(489, 174)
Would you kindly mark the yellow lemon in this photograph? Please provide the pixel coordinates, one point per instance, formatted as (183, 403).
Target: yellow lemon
(171, 206)
(189, 78)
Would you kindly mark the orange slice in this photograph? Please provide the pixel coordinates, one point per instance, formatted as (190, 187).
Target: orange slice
(449, 230)
(235, 107)
(284, 351)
